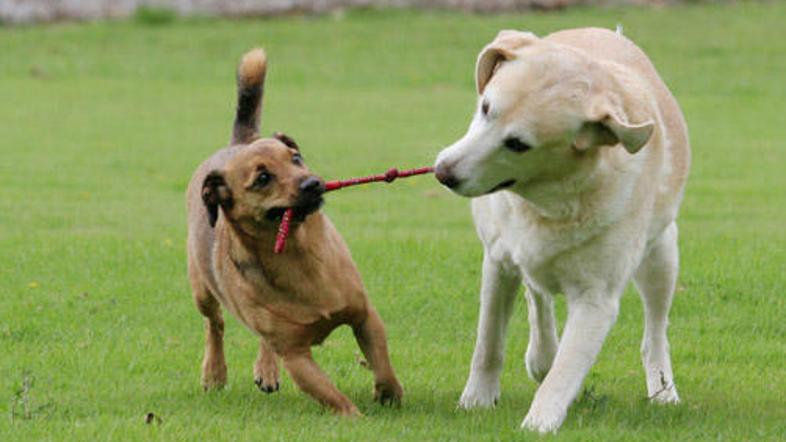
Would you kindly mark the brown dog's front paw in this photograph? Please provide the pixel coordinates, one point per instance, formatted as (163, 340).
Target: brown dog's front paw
(266, 370)
(388, 393)
(266, 375)
(267, 387)
(350, 411)
(214, 376)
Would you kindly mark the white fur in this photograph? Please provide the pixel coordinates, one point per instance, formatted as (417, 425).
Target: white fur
(579, 227)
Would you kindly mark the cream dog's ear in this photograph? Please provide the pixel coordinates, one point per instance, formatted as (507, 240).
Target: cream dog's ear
(608, 125)
(501, 49)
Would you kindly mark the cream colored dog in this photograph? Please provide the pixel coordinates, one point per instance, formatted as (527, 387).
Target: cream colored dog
(592, 151)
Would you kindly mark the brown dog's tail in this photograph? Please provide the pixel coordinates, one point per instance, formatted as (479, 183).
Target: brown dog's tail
(250, 88)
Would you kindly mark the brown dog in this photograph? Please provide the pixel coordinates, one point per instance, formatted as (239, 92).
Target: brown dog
(293, 300)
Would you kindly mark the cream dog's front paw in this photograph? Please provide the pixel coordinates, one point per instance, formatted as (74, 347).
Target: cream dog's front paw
(543, 421)
(478, 394)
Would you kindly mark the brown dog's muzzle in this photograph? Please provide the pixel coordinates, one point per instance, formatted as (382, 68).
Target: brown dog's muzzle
(312, 186)
(309, 199)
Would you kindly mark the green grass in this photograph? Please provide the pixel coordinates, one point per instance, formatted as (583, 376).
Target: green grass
(102, 125)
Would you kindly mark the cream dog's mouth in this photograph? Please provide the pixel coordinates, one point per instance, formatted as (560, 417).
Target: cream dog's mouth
(502, 185)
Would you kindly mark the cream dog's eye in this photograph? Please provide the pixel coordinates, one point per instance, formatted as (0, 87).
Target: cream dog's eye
(485, 107)
(515, 145)
(297, 159)
(263, 180)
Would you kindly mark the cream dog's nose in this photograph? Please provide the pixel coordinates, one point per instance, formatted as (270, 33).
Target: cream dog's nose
(445, 176)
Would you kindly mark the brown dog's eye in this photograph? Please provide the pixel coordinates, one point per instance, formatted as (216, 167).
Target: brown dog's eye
(297, 159)
(515, 145)
(263, 180)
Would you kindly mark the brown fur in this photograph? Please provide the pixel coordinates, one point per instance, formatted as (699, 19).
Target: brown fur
(293, 300)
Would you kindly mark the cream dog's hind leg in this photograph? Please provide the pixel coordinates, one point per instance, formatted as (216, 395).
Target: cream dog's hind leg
(543, 339)
(656, 278)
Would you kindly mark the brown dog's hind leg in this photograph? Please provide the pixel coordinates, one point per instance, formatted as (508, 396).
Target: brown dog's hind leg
(266, 368)
(370, 335)
(214, 366)
(313, 381)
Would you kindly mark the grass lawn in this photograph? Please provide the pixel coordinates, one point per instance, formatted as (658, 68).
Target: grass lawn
(102, 125)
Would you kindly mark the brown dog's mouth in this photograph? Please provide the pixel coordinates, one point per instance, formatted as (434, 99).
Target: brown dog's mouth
(300, 210)
(275, 213)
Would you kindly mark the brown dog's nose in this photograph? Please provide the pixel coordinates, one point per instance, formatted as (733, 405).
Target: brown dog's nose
(312, 185)
(445, 176)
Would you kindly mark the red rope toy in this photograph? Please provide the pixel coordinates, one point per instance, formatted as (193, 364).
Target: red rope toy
(388, 177)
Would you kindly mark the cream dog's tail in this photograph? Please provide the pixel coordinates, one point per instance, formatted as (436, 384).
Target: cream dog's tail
(250, 89)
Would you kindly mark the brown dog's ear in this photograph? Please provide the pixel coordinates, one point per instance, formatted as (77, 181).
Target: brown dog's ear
(286, 139)
(608, 125)
(215, 193)
(501, 49)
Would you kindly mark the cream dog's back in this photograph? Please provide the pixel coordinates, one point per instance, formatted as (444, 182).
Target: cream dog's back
(603, 44)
